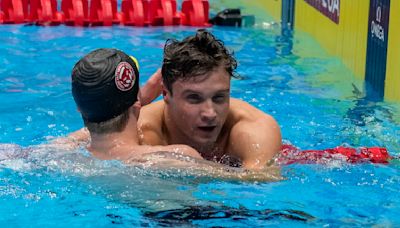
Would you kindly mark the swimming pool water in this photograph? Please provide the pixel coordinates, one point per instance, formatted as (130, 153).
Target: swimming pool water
(315, 99)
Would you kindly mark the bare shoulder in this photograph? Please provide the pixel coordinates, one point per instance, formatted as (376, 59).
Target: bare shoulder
(151, 112)
(241, 111)
(255, 136)
(150, 123)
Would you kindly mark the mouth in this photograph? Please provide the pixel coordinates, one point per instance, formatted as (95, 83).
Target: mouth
(207, 128)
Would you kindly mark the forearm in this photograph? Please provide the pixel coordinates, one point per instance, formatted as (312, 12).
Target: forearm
(152, 89)
(212, 169)
(188, 165)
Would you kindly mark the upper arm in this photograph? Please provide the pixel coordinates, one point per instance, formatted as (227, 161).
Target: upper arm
(256, 141)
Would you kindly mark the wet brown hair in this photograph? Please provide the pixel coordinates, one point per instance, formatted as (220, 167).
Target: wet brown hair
(194, 56)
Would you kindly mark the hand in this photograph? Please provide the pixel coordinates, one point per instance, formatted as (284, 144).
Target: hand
(152, 89)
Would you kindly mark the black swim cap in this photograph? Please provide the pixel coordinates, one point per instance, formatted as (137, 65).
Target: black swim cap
(105, 83)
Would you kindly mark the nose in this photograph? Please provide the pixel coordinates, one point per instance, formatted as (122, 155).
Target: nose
(208, 112)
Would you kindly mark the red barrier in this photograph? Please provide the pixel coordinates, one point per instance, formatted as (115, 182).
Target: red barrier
(291, 154)
(135, 12)
(76, 12)
(195, 12)
(45, 12)
(14, 11)
(104, 12)
(163, 12)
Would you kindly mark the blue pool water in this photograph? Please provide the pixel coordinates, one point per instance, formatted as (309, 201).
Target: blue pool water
(315, 99)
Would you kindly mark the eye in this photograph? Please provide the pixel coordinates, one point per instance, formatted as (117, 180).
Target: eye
(194, 98)
(220, 98)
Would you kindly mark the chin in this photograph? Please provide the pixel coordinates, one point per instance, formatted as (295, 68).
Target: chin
(205, 141)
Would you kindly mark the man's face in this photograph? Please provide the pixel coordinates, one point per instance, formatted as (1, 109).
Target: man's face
(199, 106)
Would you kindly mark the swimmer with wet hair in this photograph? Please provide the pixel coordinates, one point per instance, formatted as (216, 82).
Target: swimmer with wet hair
(105, 87)
(197, 109)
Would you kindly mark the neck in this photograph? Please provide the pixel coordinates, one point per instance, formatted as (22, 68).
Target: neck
(116, 145)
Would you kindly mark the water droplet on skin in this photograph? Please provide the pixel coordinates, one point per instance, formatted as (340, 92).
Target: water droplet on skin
(256, 146)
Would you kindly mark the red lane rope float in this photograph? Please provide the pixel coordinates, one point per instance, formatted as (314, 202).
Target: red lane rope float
(76, 12)
(13, 11)
(290, 155)
(195, 13)
(44, 12)
(163, 12)
(135, 12)
(105, 12)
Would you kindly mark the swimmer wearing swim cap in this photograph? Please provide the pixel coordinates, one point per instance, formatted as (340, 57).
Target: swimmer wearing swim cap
(105, 87)
(104, 84)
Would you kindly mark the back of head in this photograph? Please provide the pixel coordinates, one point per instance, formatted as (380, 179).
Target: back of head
(105, 83)
(195, 55)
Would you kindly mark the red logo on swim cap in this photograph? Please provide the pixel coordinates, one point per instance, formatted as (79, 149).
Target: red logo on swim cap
(124, 76)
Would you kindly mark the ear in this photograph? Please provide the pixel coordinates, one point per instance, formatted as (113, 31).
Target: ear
(163, 92)
(135, 109)
(166, 95)
(137, 104)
